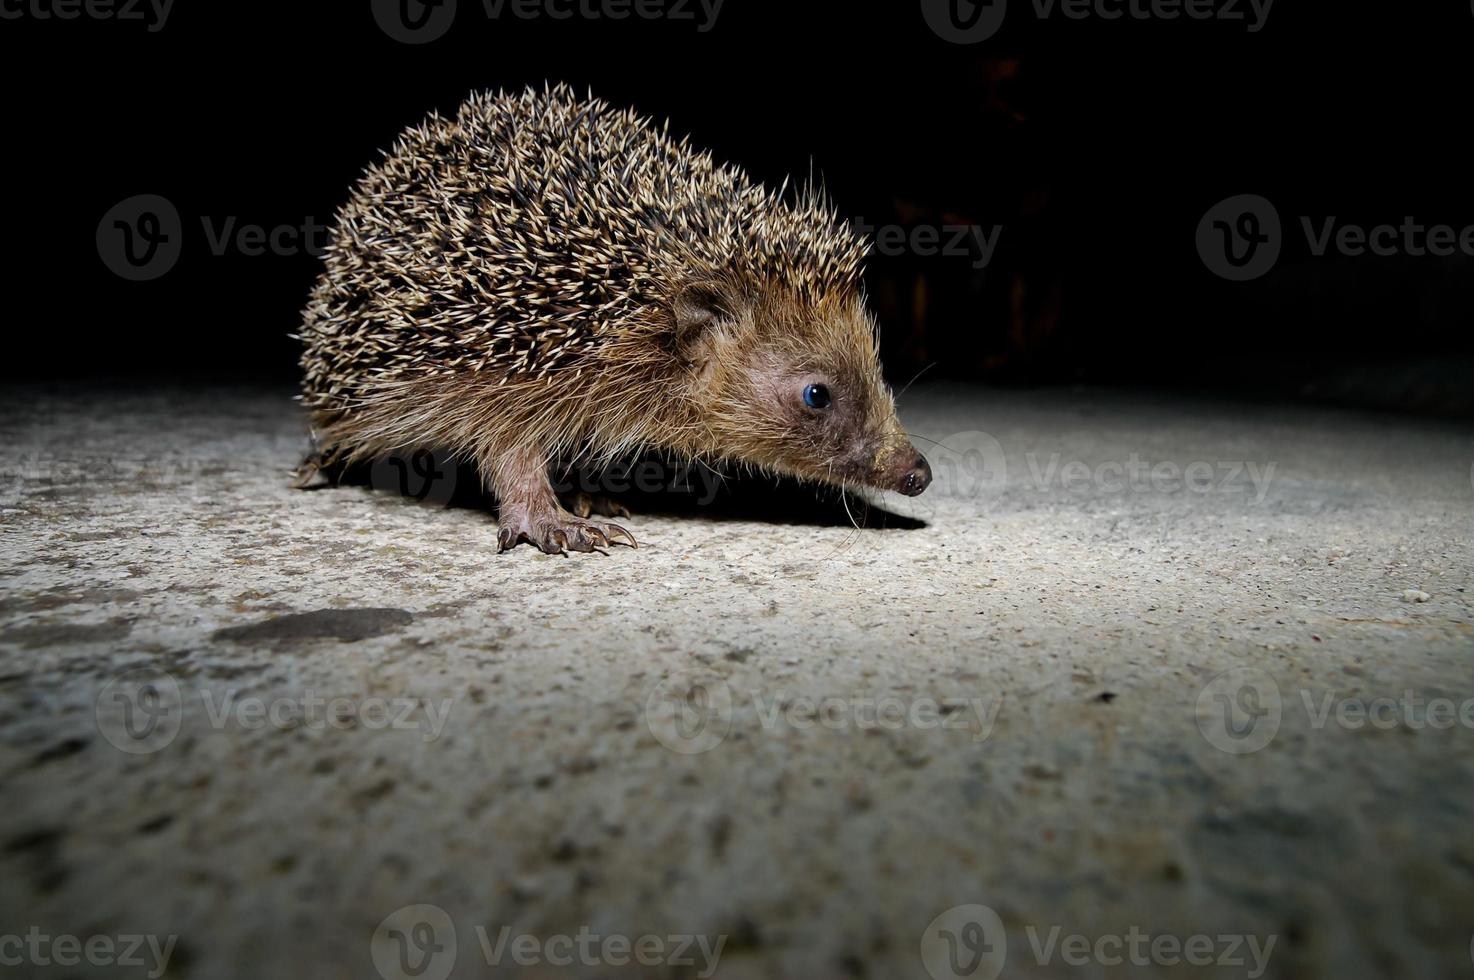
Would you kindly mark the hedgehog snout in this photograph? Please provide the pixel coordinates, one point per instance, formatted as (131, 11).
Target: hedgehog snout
(911, 474)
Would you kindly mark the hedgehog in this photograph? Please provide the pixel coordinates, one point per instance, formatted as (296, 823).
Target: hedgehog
(544, 280)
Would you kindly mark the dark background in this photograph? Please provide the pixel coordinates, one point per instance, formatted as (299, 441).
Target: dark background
(1097, 145)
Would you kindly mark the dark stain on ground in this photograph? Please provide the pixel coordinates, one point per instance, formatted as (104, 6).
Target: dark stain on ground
(56, 598)
(40, 851)
(231, 672)
(101, 535)
(156, 824)
(57, 634)
(64, 749)
(372, 794)
(333, 624)
(34, 840)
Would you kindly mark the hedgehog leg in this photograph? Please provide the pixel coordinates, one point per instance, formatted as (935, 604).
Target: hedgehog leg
(528, 510)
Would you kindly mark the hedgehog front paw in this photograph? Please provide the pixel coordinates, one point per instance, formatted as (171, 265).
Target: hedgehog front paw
(559, 531)
(583, 504)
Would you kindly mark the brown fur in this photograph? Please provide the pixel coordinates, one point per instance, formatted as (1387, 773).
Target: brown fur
(543, 278)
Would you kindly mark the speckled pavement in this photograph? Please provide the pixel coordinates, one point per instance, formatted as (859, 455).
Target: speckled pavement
(1143, 686)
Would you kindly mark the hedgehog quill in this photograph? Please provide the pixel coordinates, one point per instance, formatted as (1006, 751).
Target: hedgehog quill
(543, 279)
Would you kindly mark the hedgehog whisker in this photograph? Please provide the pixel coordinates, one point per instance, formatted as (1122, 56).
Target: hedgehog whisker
(845, 496)
(917, 377)
(914, 436)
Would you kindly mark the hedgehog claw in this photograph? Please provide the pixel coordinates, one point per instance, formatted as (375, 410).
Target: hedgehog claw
(579, 504)
(584, 504)
(616, 529)
(559, 533)
(606, 507)
(594, 536)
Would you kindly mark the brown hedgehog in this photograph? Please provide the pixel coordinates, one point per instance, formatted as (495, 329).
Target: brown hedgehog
(543, 279)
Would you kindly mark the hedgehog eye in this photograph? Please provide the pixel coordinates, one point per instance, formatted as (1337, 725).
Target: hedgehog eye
(816, 396)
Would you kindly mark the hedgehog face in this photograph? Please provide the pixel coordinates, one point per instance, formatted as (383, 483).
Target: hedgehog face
(796, 387)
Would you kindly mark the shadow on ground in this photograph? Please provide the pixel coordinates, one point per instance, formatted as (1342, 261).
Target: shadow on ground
(650, 485)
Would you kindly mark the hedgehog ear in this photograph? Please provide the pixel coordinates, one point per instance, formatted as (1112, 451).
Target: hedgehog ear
(697, 309)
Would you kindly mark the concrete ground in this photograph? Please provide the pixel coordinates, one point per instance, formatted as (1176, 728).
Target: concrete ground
(1142, 686)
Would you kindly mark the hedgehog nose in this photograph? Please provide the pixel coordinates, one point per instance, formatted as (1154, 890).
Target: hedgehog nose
(919, 477)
